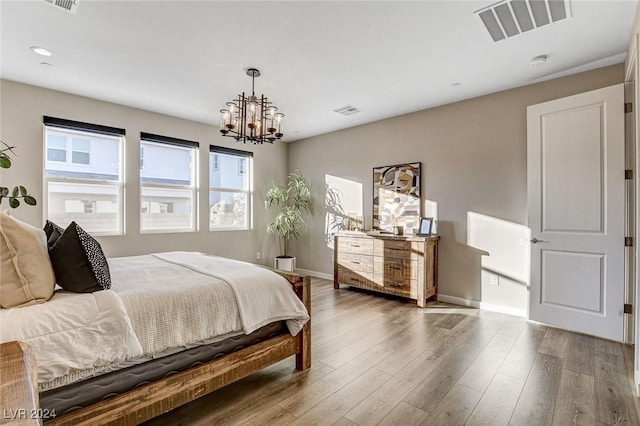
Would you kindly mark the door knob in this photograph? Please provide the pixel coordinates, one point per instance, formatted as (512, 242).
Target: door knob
(534, 240)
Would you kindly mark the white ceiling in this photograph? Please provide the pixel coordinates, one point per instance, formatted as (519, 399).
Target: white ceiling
(387, 58)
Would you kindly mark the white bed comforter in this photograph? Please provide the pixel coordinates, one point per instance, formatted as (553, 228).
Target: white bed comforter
(262, 295)
(156, 303)
(73, 334)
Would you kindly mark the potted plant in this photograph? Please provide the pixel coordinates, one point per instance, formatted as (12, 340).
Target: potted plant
(291, 202)
(18, 191)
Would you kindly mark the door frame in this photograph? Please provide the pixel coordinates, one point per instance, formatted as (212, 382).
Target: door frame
(631, 76)
(631, 285)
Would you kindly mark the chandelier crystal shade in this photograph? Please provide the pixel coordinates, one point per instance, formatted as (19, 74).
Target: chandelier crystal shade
(251, 118)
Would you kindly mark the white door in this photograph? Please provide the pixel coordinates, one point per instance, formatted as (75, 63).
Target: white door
(575, 179)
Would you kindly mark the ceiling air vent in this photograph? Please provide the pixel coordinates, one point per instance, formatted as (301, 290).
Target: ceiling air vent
(508, 18)
(347, 110)
(68, 5)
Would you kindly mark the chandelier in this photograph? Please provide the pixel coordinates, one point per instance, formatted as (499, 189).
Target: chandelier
(251, 119)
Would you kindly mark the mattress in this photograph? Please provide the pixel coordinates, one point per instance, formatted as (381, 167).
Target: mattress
(81, 394)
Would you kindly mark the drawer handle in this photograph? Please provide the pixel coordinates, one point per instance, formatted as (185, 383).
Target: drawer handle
(353, 261)
(396, 249)
(353, 279)
(394, 267)
(354, 245)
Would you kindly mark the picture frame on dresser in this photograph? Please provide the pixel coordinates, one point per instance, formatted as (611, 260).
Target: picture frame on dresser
(396, 196)
(425, 227)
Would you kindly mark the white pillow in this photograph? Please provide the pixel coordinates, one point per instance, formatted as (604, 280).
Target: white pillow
(26, 274)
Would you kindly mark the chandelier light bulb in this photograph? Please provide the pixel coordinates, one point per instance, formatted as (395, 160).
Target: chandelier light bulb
(271, 118)
(224, 121)
(279, 131)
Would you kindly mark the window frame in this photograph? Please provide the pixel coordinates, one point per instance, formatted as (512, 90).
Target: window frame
(247, 156)
(193, 188)
(90, 131)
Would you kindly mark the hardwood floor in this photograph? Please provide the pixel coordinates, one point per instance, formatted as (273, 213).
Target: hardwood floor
(382, 360)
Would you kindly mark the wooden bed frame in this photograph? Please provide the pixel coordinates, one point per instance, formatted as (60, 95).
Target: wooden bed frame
(149, 401)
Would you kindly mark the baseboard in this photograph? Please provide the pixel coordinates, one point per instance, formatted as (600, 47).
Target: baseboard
(315, 274)
(458, 301)
(442, 297)
(636, 376)
(504, 309)
(482, 305)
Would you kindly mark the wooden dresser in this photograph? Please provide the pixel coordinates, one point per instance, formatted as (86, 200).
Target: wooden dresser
(401, 265)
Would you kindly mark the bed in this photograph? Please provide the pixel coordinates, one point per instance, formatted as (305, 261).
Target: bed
(174, 326)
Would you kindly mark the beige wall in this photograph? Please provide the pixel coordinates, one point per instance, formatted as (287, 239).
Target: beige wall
(473, 156)
(21, 110)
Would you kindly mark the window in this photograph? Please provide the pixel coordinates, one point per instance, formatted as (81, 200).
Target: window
(80, 151)
(83, 175)
(57, 148)
(65, 148)
(168, 184)
(230, 189)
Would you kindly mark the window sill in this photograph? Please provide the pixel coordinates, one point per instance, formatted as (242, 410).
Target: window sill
(168, 231)
(229, 229)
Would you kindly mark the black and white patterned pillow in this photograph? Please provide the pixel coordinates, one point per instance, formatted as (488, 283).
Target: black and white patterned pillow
(78, 262)
(96, 258)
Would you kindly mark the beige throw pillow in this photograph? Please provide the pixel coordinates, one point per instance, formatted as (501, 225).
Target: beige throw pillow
(26, 275)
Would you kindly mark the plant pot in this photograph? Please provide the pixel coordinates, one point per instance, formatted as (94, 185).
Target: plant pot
(286, 263)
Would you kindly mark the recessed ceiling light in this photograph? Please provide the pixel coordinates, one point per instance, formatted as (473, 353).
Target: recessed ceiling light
(539, 60)
(41, 51)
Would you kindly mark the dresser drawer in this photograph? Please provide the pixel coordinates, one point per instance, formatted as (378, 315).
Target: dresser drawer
(398, 285)
(355, 262)
(393, 267)
(398, 248)
(358, 279)
(355, 245)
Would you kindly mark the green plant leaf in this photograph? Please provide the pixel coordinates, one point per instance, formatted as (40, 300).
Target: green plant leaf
(7, 147)
(19, 191)
(5, 162)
